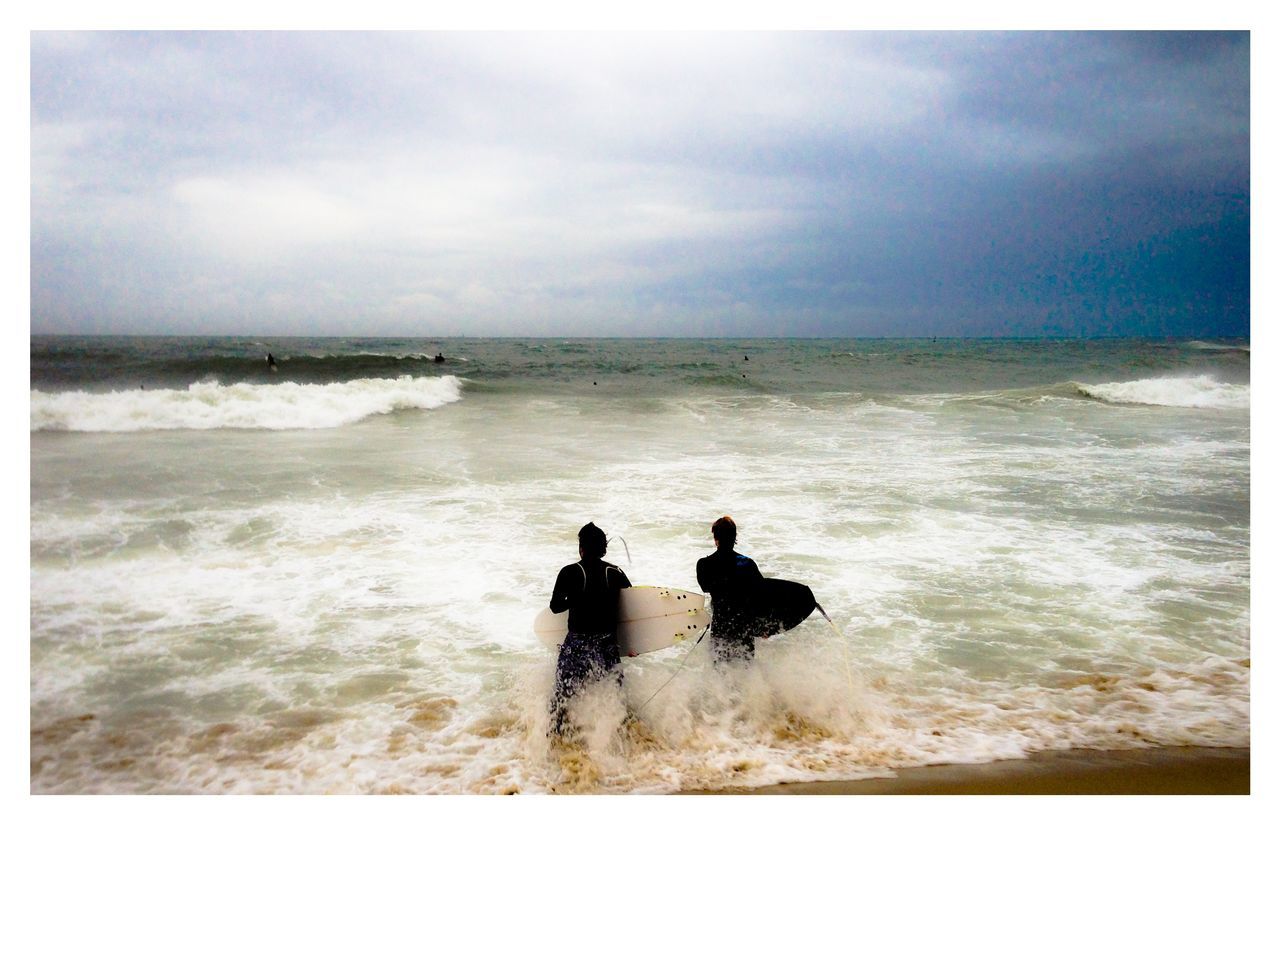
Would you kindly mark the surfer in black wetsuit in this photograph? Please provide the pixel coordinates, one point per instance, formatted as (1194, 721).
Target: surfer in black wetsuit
(588, 589)
(734, 583)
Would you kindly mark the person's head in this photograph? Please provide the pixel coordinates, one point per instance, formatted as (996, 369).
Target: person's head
(591, 542)
(725, 532)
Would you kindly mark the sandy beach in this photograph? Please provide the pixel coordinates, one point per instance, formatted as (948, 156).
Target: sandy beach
(1181, 770)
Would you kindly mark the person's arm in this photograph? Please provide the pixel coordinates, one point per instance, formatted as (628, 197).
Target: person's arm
(622, 578)
(568, 587)
(704, 583)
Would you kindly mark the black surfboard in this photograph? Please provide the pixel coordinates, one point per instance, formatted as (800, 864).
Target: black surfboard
(781, 605)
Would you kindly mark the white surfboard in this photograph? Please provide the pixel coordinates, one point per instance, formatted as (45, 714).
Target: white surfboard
(649, 618)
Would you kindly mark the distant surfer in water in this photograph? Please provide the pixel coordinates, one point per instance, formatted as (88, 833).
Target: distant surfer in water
(733, 581)
(439, 358)
(271, 361)
(588, 589)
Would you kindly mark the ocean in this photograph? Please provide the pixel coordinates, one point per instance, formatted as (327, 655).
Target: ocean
(322, 578)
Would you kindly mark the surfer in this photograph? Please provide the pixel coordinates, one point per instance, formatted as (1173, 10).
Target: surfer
(439, 358)
(588, 589)
(732, 580)
(271, 361)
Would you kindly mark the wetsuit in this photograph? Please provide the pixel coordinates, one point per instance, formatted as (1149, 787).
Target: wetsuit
(734, 582)
(589, 591)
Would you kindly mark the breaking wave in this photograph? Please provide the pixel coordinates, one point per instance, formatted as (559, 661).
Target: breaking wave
(1197, 391)
(1207, 345)
(240, 406)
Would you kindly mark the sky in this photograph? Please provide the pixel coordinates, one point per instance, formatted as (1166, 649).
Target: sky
(641, 184)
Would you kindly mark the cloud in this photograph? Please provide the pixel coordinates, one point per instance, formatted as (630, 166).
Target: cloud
(842, 183)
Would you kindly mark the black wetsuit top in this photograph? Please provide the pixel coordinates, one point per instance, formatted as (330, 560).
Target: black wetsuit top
(733, 582)
(589, 591)
(589, 651)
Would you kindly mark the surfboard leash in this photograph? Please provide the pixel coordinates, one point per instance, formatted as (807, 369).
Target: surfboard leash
(847, 671)
(675, 671)
(624, 547)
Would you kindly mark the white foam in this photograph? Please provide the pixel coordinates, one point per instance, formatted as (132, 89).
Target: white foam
(1205, 345)
(996, 594)
(1198, 391)
(242, 406)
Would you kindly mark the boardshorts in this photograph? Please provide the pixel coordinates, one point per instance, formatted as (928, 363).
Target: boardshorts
(584, 658)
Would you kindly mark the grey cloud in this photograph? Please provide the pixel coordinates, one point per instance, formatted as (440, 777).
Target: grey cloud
(837, 183)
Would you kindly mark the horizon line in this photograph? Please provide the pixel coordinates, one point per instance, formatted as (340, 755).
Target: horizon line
(516, 336)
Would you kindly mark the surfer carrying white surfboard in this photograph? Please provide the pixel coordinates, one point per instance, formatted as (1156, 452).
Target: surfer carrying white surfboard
(732, 580)
(589, 590)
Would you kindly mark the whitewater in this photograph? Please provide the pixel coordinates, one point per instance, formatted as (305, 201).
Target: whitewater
(322, 578)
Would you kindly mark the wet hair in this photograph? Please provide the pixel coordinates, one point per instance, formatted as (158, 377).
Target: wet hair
(725, 532)
(592, 541)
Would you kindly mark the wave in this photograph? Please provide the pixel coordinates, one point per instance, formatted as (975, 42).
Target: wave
(1197, 391)
(377, 354)
(121, 369)
(1206, 345)
(239, 406)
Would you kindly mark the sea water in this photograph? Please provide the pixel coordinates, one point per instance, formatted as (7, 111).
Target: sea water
(322, 578)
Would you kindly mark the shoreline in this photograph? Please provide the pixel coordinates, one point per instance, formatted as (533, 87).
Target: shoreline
(1160, 770)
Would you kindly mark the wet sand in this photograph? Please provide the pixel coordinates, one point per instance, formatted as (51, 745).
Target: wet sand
(1180, 770)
